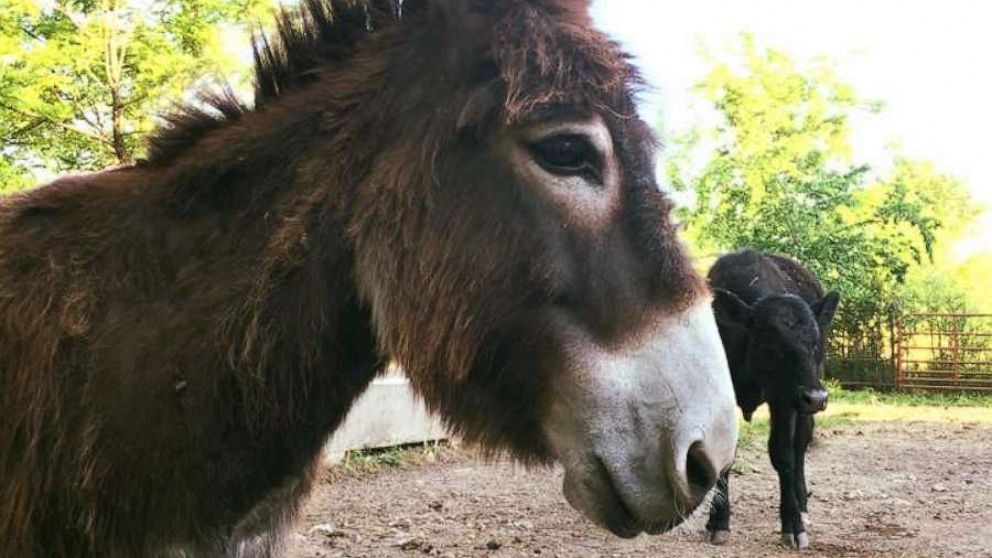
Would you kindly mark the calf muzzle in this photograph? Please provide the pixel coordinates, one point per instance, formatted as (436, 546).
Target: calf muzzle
(811, 401)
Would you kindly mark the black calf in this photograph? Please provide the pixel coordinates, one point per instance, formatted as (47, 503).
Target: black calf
(773, 320)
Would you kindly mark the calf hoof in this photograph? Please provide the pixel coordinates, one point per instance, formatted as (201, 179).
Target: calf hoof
(719, 537)
(799, 541)
(806, 520)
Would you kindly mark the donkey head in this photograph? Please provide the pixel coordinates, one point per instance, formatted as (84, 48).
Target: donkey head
(520, 261)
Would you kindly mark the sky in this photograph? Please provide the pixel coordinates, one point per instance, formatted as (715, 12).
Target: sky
(929, 61)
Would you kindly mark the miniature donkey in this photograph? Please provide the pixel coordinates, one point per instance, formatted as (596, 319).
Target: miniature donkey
(462, 186)
(773, 320)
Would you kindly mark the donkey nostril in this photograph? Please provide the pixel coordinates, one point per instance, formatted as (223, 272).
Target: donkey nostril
(698, 469)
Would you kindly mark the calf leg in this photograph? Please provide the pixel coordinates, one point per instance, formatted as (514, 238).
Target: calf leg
(804, 434)
(718, 525)
(782, 453)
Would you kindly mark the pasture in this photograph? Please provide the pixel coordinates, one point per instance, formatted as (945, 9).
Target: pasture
(890, 476)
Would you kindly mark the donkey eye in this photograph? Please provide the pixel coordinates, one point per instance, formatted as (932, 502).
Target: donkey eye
(567, 155)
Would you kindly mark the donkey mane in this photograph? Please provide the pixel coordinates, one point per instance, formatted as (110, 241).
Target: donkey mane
(325, 34)
(315, 34)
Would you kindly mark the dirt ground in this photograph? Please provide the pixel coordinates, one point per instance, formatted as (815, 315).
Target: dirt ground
(887, 489)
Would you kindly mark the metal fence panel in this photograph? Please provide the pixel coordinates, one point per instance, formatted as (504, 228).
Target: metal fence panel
(944, 351)
(921, 351)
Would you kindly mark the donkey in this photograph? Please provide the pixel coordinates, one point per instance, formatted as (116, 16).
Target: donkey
(463, 187)
(774, 320)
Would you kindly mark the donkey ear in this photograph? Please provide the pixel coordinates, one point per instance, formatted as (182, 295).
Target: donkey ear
(825, 308)
(730, 310)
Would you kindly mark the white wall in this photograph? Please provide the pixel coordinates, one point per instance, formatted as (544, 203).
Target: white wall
(387, 414)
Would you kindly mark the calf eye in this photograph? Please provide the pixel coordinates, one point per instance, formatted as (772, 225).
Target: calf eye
(567, 155)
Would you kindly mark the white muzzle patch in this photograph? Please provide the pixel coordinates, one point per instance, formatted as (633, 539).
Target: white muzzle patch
(624, 418)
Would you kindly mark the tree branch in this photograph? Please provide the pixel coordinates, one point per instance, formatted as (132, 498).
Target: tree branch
(23, 129)
(73, 18)
(63, 125)
(32, 34)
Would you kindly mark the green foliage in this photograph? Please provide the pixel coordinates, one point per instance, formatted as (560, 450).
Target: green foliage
(854, 406)
(948, 284)
(779, 177)
(373, 460)
(869, 396)
(972, 277)
(81, 80)
(12, 175)
(753, 433)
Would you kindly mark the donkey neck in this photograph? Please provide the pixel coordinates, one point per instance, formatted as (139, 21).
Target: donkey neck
(266, 193)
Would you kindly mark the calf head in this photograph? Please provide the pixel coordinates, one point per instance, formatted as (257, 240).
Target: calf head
(785, 344)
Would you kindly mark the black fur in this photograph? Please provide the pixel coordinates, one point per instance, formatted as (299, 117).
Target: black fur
(774, 321)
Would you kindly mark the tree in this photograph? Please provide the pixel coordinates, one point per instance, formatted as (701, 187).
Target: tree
(82, 80)
(972, 275)
(779, 177)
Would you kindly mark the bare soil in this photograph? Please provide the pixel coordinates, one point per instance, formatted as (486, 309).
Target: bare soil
(879, 489)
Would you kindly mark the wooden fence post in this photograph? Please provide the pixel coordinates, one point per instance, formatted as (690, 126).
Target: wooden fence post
(897, 349)
(955, 354)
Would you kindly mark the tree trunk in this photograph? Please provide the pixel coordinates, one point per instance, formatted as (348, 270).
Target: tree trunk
(117, 110)
(114, 60)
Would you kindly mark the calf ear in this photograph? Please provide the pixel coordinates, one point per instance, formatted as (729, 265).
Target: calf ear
(730, 310)
(825, 308)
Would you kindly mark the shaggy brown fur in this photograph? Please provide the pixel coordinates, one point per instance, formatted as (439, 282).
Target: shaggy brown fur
(178, 338)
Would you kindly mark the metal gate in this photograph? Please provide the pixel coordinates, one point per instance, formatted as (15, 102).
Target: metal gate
(943, 352)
